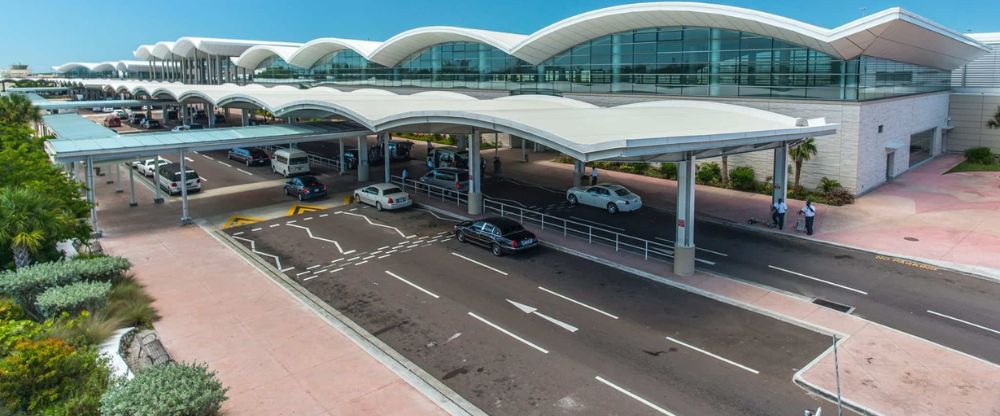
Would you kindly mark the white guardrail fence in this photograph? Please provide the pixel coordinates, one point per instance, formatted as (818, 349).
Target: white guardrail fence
(569, 228)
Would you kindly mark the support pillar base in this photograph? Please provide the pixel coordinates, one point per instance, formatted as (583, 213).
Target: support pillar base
(157, 200)
(363, 171)
(119, 191)
(133, 204)
(475, 203)
(186, 221)
(109, 182)
(683, 260)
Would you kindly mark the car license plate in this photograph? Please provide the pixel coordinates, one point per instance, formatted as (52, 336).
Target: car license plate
(529, 241)
(401, 200)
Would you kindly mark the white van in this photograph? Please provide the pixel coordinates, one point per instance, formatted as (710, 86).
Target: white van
(289, 162)
(170, 179)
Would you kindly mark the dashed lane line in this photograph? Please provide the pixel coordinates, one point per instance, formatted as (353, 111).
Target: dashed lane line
(206, 156)
(648, 403)
(578, 302)
(723, 359)
(508, 333)
(324, 215)
(964, 322)
(481, 264)
(223, 163)
(312, 267)
(336, 270)
(360, 263)
(256, 229)
(412, 284)
(243, 171)
(188, 159)
(273, 225)
(820, 280)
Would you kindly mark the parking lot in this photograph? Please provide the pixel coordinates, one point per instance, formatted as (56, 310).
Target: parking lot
(538, 333)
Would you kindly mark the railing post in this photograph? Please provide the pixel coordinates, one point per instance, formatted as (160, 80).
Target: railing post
(616, 241)
(590, 234)
(501, 209)
(522, 214)
(565, 227)
(647, 249)
(543, 221)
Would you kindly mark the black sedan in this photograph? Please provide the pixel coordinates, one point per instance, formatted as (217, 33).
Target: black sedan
(501, 235)
(305, 187)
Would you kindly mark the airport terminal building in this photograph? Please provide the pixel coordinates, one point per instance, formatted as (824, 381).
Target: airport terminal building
(901, 87)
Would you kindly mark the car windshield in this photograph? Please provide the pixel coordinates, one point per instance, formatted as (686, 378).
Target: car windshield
(190, 175)
(392, 190)
(508, 227)
(298, 161)
(622, 192)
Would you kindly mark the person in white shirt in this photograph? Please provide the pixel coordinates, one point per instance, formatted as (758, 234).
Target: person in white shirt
(810, 212)
(778, 213)
(593, 176)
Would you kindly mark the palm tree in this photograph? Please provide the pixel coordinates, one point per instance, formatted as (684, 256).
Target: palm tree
(17, 109)
(995, 121)
(802, 152)
(27, 222)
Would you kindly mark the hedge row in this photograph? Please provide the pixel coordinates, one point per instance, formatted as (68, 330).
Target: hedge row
(26, 284)
(72, 298)
(166, 389)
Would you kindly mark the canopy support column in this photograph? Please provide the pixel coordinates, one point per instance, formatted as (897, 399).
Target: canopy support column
(362, 159)
(158, 197)
(131, 189)
(245, 116)
(118, 178)
(475, 175)
(684, 243)
(386, 157)
(89, 178)
(340, 158)
(210, 113)
(185, 218)
(780, 174)
(524, 151)
(577, 173)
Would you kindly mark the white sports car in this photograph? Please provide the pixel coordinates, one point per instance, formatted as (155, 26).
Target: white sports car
(611, 197)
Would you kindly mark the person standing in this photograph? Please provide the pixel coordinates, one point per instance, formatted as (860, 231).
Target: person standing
(593, 176)
(778, 213)
(810, 212)
(405, 175)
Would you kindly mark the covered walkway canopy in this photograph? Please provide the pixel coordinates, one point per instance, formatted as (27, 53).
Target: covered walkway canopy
(45, 104)
(72, 127)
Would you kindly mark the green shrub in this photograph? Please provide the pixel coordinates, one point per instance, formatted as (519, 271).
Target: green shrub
(837, 197)
(980, 156)
(167, 389)
(709, 173)
(827, 185)
(668, 170)
(85, 329)
(50, 377)
(27, 283)
(129, 301)
(101, 268)
(72, 298)
(742, 178)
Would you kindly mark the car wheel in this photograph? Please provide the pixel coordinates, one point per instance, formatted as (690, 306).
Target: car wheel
(300, 197)
(286, 191)
(460, 236)
(572, 199)
(378, 206)
(612, 208)
(248, 163)
(357, 198)
(497, 251)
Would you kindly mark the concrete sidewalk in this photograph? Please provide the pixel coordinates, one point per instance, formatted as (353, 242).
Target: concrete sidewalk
(883, 371)
(277, 356)
(949, 220)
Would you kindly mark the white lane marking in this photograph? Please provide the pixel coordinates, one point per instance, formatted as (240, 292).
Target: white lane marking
(203, 179)
(207, 156)
(696, 247)
(188, 159)
(312, 267)
(290, 222)
(253, 248)
(382, 257)
(634, 396)
(256, 229)
(336, 270)
(376, 252)
(354, 258)
(223, 163)
(390, 251)
(412, 284)
(413, 245)
(481, 264)
(307, 218)
(241, 170)
(287, 269)
(360, 263)
(449, 238)
(336, 260)
(578, 303)
(510, 334)
(352, 210)
(300, 274)
(382, 248)
(728, 361)
(239, 233)
(964, 322)
(369, 257)
(310, 278)
(533, 310)
(401, 234)
(273, 225)
(320, 271)
(324, 215)
(820, 280)
(340, 249)
(597, 223)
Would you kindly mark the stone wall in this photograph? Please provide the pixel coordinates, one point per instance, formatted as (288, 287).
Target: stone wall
(968, 113)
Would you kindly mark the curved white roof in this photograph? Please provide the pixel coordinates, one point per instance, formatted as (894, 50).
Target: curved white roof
(307, 55)
(399, 47)
(252, 57)
(187, 46)
(143, 52)
(655, 131)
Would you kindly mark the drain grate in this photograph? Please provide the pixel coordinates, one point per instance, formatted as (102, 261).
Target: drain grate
(834, 305)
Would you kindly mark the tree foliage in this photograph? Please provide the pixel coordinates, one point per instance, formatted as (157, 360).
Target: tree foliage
(16, 109)
(802, 152)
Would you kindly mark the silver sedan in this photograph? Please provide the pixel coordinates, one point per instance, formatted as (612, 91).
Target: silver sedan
(611, 197)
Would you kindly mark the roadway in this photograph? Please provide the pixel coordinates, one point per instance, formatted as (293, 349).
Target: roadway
(539, 333)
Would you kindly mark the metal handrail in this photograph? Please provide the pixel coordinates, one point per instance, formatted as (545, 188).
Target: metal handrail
(593, 234)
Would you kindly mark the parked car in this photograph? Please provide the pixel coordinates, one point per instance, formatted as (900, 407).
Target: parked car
(120, 114)
(112, 121)
(146, 167)
(170, 179)
(107, 109)
(305, 187)
(351, 159)
(383, 196)
(501, 235)
(182, 127)
(150, 123)
(447, 178)
(608, 196)
(136, 118)
(448, 157)
(249, 156)
(288, 162)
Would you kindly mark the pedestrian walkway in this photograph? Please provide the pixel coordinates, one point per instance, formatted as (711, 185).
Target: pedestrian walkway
(950, 220)
(882, 371)
(276, 355)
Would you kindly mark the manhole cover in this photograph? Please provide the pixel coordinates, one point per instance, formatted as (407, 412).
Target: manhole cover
(911, 239)
(833, 305)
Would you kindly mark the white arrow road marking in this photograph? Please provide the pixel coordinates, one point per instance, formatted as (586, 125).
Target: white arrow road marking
(508, 333)
(253, 248)
(412, 284)
(401, 234)
(341, 250)
(634, 396)
(533, 310)
(578, 303)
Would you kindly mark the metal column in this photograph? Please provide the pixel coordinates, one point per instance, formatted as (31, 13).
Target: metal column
(131, 189)
(362, 159)
(386, 157)
(340, 158)
(780, 174)
(118, 178)
(684, 244)
(245, 116)
(185, 218)
(577, 172)
(89, 177)
(475, 175)
(210, 113)
(158, 197)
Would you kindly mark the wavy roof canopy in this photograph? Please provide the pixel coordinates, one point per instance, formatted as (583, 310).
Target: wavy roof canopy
(307, 55)
(654, 131)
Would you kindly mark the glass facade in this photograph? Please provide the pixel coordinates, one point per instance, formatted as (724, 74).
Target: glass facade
(675, 61)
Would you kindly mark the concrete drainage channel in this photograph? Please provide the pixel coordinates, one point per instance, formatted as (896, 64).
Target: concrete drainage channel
(839, 307)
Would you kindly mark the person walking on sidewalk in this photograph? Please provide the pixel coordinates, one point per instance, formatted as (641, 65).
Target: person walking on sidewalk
(810, 212)
(593, 176)
(778, 213)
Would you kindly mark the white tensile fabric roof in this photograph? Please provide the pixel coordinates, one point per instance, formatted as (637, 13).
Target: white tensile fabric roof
(651, 131)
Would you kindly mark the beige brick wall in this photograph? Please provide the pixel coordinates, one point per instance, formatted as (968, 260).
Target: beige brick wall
(969, 113)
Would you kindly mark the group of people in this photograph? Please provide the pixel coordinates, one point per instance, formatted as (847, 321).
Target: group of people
(779, 208)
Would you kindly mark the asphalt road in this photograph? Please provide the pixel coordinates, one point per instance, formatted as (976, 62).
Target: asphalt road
(594, 340)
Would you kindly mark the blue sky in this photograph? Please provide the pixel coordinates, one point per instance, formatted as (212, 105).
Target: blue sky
(43, 33)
